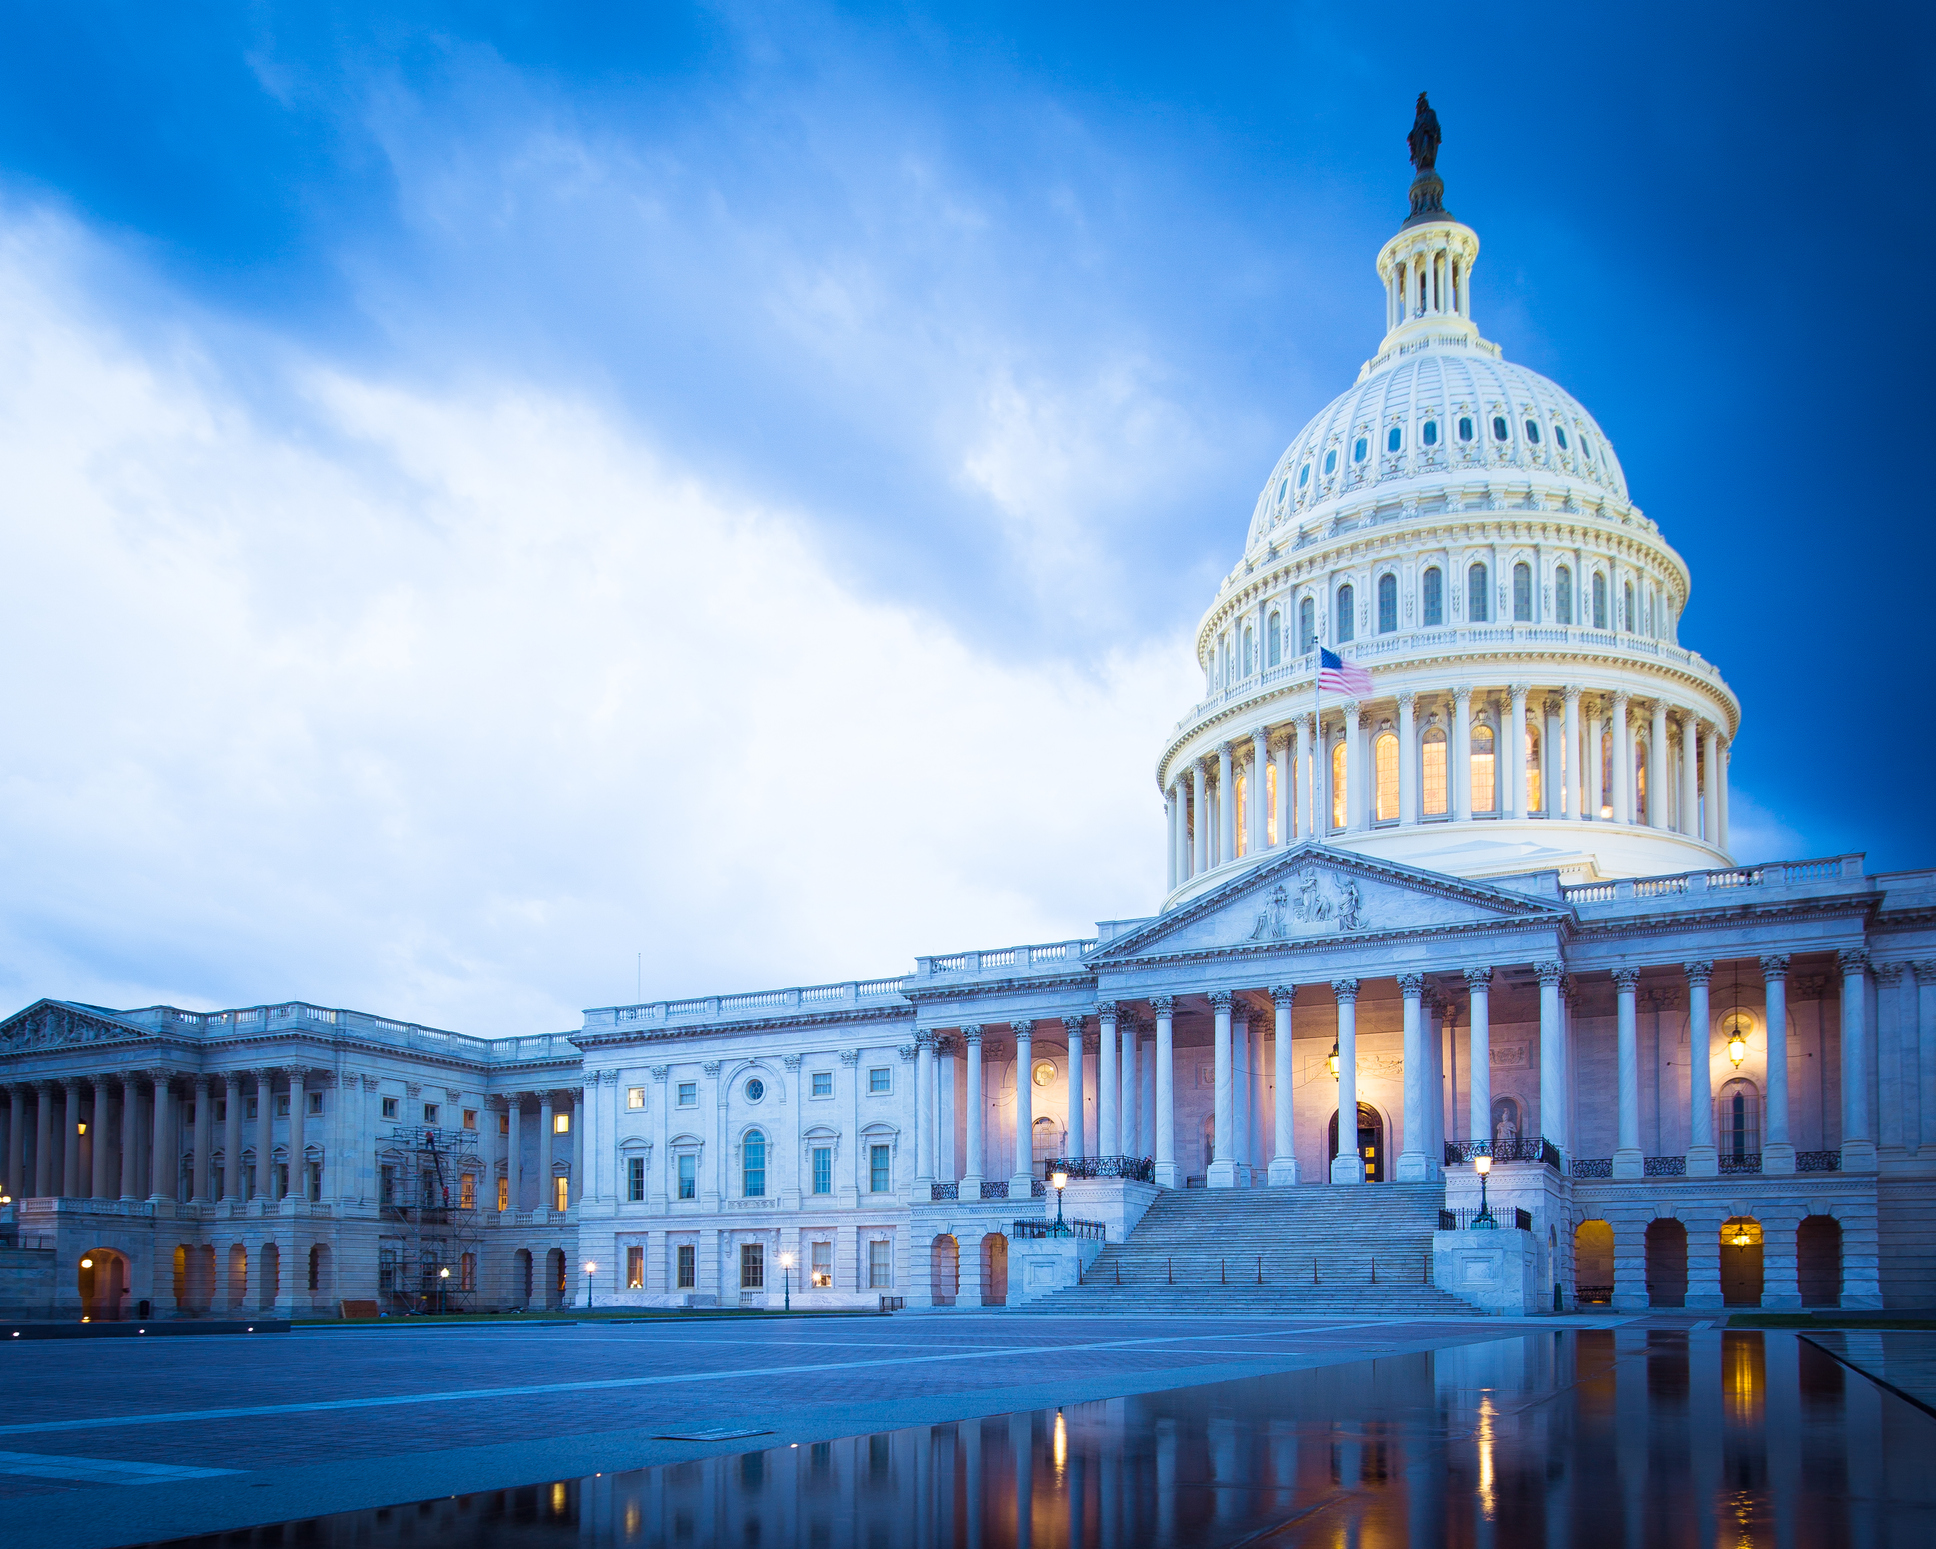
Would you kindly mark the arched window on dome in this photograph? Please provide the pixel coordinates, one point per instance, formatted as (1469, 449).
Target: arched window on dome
(1599, 600)
(1331, 460)
(1482, 768)
(1535, 788)
(1394, 438)
(1563, 594)
(1559, 435)
(1532, 432)
(1385, 762)
(1387, 603)
(1345, 623)
(1339, 771)
(1430, 433)
(1501, 431)
(1476, 611)
(1433, 785)
(1627, 607)
(1250, 651)
(1432, 597)
(1522, 593)
(1360, 450)
(1274, 638)
(1304, 476)
(1606, 776)
(1307, 626)
(1283, 488)
(1465, 427)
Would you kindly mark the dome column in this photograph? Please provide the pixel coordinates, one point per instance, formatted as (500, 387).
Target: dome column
(1721, 790)
(1226, 804)
(1516, 750)
(1307, 748)
(1592, 766)
(1622, 795)
(1407, 759)
(1285, 828)
(1462, 755)
(1690, 824)
(1657, 767)
(1574, 805)
(1549, 758)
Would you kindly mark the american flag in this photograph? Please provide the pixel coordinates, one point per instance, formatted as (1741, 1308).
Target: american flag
(1341, 676)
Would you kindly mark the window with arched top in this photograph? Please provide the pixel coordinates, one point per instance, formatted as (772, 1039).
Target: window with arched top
(1338, 770)
(1559, 435)
(1344, 623)
(1500, 430)
(1432, 597)
(1737, 1121)
(1307, 626)
(1640, 781)
(1433, 784)
(1535, 790)
(1627, 607)
(1387, 603)
(1385, 762)
(752, 1161)
(1360, 450)
(1563, 595)
(1532, 432)
(1522, 593)
(1599, 600)
(1303, 476)
(1482, 768)
(1250, 651)
(1274, 639)
(1476, 611)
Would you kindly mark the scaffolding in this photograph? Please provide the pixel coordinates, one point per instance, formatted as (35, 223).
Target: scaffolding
(429, 1258)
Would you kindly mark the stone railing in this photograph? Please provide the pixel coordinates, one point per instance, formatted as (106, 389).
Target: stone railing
(1008, 960)
(750, 1004)
(1776, 874)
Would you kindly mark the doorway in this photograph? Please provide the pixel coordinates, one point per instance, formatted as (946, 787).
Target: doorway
(1371, 1142)
(994, 1270)
(944, 1270)
(103, 1286)
(1741, 1274)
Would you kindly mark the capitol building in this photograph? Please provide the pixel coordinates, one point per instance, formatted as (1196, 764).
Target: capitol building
(1462, 900)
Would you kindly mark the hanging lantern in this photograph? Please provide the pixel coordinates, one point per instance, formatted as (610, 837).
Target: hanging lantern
(1332, 1061)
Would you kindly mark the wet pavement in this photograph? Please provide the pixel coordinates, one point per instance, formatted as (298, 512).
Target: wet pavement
(1626, 1435)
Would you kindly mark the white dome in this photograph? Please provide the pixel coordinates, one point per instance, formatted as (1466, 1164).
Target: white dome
(1438, 383)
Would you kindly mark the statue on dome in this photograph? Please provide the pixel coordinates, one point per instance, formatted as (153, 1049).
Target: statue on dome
(1424, 138)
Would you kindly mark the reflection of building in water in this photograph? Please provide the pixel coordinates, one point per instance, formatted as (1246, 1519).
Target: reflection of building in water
(1446, 848)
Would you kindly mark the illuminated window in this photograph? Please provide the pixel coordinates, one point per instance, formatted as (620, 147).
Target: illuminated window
(1394, 439)
(1307, 627)
(1343, 625)
(1387, 603)
(1274, 639)
(504, 1194)
(753, 1165)
(1482, 793)
(1270, 803)
(1563, 595)
(1243, 813)
(467, 1191)
(1432, 597)
(1385, 758)
(1337, 783)
(685, 1259)
(1476, 611)
(1640, 781)
(1434, 784)
(823, 1265)
(561, 1123)
(1535, 791)
(1522, 593)
(1599, 601)
(560, 1192)
(635, 1097)
(635, 1267)
(470, 1117)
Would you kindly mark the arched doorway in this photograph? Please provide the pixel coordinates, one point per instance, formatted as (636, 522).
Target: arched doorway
(103, 1285)
(945, 1270)
(1592, 1263)
(1741, 1261)
(994, 1270)
(238, 1276)
(521, 1277)
(555, 1278)
(1666, 1263)
(1818, 1261)
(320, 1280)
(268, 1275)
(1371, 1142)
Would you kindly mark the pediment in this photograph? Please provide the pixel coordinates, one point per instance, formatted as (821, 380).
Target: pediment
(1313, 895)
(51, 1024)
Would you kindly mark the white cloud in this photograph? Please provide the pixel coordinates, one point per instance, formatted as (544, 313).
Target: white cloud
(442, 705)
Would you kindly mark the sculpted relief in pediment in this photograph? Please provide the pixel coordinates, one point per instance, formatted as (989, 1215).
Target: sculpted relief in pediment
(1315, 904)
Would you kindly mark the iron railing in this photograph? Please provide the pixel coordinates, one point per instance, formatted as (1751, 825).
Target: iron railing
(1818, 1161)
(1742, 1162)
(1584, 1294)
(1139, 1169)
(1461, 1220)
(1664, 1167)
(1527, 1148)
(1592, 1167)
(1092, 1231)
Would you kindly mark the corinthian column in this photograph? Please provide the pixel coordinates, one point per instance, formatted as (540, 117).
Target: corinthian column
(1702, 1159)
(1226, 803)
(1258, 807)
(1223, 1167)
(1072, 1029)
(1407, 757)
(70, 1184)
(1200, 818)
(203, 1090)
(1777, 1152)
(1021, 1180)
(1283, 1162)
(1623, 770)
(923, 1111)
(1516, 749)
(1858, 1138)
(1690, 823)
(1461, 751)
(1628, 1161)
(1168, 1175)
(1412, 1161)
(1478, 982)
(130, 1135)
(1347, 1166)
(972, 1132)
(1108, 1085)
(1574, 801)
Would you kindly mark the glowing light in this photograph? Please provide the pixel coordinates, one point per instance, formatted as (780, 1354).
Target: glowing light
(1486, 1414)
(1061, 1443)
(1332, 1060)
(87, 1263)
(1737, 1049)
(1482, 1164)
(1060, 1180)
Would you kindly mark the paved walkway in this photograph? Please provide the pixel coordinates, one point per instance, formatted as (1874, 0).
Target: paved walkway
(1903, 1361)
(223, 1432)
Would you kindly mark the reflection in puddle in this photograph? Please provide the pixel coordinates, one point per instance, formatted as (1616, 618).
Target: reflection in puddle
(1622, 1436)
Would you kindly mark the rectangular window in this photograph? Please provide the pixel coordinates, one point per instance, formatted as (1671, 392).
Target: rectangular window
(823, 1169)
(467, 1272)
(1434, 781)
(823, 1083)
(315, 1102)
(688, 1094)
(880, 1266)
(752, 1266)
(467, 1191)
(686, 1255)
(248, 1111)
(470, 1118)
(560, 1193)
(504, 1194)
(635, 1178)
(282, 1106)
(635, 1098)
(561, 1124)
(386, 1185)
(430, 1113)
(879, 1177)
(389, 1107)
(221, 1110)
(504, 1122)
(880, 1079)
(823, 1265)
(689, 1176)
(282, 1180)
(248, 1181)
(634, 1267)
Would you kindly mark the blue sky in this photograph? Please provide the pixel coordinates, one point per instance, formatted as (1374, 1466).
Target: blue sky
(509, 499)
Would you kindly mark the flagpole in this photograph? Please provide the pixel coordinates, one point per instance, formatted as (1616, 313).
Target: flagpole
(1317, 733)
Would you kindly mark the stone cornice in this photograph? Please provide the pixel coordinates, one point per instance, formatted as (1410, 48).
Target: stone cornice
(794, 1018)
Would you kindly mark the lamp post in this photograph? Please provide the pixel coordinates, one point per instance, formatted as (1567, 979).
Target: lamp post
(1483, 1221)
(1061, 1181)
(786, 1270)
(443, 1288)
(591, 1268)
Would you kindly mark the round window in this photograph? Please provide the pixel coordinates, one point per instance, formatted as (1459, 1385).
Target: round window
(755, 1090)
(1044, 1072)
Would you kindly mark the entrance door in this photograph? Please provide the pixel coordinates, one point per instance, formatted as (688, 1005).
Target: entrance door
(1371, 1142)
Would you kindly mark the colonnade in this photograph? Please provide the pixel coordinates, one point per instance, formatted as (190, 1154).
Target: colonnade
(1427, 757)
(574, 1107)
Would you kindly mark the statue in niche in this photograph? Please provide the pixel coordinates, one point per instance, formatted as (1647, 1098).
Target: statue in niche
(1424, 138)
(1505, 1122)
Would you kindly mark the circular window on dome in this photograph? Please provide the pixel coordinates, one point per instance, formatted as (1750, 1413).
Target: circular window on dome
(1430, 434)
(1358, 450)
(1559, 435)
(1331, 460)
(1499, 430)
(1304, 476)
(1394, 439)
(755, 1090)
(1465, 427)
(1532, 432)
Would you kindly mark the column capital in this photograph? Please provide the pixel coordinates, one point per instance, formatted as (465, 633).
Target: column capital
(1022, 1029)
(1260, 734)
(1345, 989)
(1072, 1026)
(1407, 699)
(944, 1044)
(1106, 1009)
(1700, 972)
(1462, 695)
(1220, 999)
(1549, 973)
(923, 1037)
(265, 1075)
(1412, 986)
(849, 1057)
(1092, 1043)
(1774, 966)
(1889, 973)
(1854, 960)
(970, 1034)
(1477, 979)
(1165, 1005)
(1572, 693)
(1626, 979)
(659, 1072)
(1282, 994)
(1353, 713)
(908, 1051)
(1519, 691)
(710, 1067)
